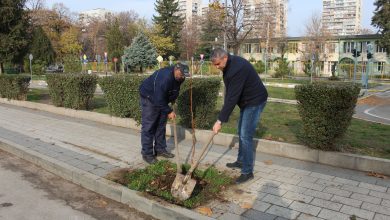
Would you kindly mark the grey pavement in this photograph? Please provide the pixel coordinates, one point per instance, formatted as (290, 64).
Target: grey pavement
(282, 188)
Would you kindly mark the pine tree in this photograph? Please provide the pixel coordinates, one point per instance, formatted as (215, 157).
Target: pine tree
(170, 22)
(381, 20)
(41, 47)
(141, 53)
(14, 37)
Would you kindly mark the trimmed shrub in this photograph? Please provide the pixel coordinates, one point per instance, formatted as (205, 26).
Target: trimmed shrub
(259, 66)
(326, 109)
(71, 90)
(122, 95)
(204, 100)
(14, 86)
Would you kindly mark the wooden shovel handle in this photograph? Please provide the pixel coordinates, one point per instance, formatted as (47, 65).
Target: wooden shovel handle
(179, 170)
(196, 162)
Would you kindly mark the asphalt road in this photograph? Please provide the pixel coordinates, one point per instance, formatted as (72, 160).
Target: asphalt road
(29, 192)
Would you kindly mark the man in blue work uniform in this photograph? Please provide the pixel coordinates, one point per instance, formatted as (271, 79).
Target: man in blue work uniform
(245, 89)
(156, 92)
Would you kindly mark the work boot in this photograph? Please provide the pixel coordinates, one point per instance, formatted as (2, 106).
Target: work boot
(236, 164)
(165, 154)
(244, 177)
(149, 159)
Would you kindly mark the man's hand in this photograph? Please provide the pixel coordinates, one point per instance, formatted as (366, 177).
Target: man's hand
(217, 126)
(172, 115)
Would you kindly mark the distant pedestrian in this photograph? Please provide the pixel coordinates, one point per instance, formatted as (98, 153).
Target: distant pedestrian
(156, 92)
(245, 89)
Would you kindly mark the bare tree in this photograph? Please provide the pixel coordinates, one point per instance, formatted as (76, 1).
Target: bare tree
(189, 39)
(316, 42)
(34, 5)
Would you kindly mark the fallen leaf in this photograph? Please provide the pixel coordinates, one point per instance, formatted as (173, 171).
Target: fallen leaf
(204, 210)
(246, 205)
(101, 203)
(378, 175)
(268, 162)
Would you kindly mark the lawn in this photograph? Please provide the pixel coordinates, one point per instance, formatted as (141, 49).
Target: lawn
(280, 122)
(281, 93)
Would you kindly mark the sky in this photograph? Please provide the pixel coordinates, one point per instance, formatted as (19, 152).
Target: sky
(298, 10)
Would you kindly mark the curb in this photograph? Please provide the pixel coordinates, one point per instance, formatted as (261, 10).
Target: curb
(294, 151)
(109, 189)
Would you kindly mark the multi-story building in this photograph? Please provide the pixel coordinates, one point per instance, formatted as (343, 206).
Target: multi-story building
(334, 52)
(86, 17)
(190, 9)
(342, 17)
(260, 13)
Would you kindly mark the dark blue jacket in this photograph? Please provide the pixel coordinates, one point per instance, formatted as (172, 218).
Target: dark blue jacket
(161, 88)
(243, 86)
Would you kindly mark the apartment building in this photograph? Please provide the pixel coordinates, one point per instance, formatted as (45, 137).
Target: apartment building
(190, 9)
(260, 13)
(86, 17)
(336, 51)
(342, 17)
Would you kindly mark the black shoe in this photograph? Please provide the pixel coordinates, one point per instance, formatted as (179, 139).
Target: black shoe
(165, 154)
(234, 165)
(244, 177)
(149, 159)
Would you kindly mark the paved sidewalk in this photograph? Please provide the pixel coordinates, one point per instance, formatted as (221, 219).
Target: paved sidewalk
(282, 189)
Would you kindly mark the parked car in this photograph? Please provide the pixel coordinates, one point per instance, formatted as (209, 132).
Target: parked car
(55, 69)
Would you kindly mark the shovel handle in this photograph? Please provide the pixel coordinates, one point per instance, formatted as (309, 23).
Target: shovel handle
(196, 162)
(179, 170)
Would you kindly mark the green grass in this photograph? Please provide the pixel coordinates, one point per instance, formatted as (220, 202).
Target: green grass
(157, 180)
(281, 93)
(38, 95)
(99, 104)
(287, 80)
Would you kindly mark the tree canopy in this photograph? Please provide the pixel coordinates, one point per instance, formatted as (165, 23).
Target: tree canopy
(381, 20)
(141, 53)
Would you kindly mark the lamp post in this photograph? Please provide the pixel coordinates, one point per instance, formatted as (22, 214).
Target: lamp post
(30, 57)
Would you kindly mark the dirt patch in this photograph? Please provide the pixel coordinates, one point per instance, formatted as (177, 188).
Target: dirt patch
(374, 101)
(156, 180)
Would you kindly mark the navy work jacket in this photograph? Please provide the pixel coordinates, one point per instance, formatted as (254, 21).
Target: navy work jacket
(161, 88)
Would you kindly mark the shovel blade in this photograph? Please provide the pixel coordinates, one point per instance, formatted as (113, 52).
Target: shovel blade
(182, 191)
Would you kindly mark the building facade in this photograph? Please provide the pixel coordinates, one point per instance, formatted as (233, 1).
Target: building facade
(342, 17)
(261, 12)
(190, 9)
(86, 17)
(333, 53)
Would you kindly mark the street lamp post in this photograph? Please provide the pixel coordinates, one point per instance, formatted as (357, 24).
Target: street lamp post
(30, 57)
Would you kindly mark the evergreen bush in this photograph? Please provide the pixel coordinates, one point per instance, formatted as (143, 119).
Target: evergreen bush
(326, 109)
(71, 90)
(14, 86)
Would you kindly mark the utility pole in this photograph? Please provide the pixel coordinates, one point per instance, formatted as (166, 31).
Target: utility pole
(226, 23)
(266, 48)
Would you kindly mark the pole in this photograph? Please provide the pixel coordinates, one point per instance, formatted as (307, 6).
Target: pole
(354, 65)
(31, 70)
(226, 23)
(266, 48)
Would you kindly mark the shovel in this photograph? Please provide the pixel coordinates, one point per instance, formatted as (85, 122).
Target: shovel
(183, 185)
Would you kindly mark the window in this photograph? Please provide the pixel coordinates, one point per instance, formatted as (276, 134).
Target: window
(247, 48)
(380, 49)
(293, 47)
(348, 47)
(380, 66)
(256, 48)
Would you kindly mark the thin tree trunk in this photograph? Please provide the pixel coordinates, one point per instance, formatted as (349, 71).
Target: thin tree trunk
(1, 68)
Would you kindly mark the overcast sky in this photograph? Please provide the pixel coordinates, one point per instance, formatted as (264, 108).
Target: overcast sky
(298, 10)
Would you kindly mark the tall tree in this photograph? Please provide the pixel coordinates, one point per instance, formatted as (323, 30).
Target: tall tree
(381, 20)
(162, 44)
(170, 22)
(41, 47)
(212, 28)
(141, 53)
(189, 39)
(115, 42)
(13, 31)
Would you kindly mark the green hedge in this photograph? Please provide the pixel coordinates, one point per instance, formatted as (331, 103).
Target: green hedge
(14, 86)
(204, 100)
(122, 97)
(71, 90)
(326, 109)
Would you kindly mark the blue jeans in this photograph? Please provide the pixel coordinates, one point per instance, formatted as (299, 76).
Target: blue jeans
(249, 117)
(153, 129)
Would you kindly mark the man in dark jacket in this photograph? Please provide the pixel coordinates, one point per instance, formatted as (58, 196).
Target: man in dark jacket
(156, 92)
(245, 89)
